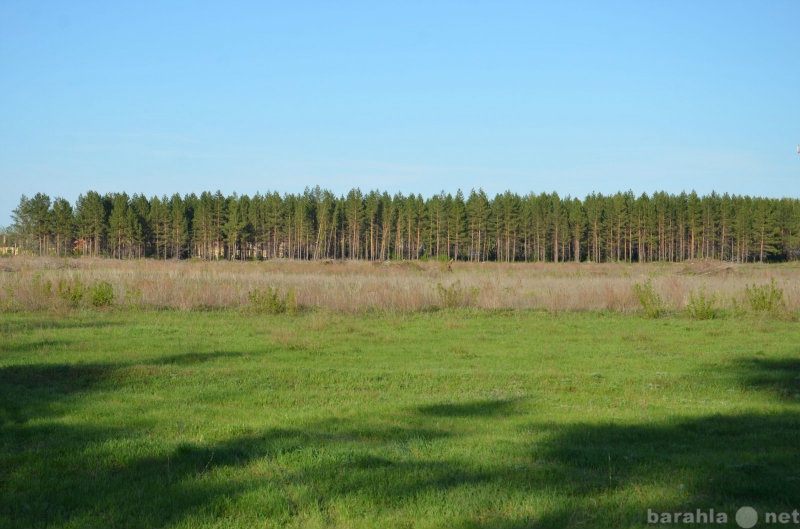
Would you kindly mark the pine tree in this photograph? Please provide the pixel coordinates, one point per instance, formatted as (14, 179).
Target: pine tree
(478, 212)
(63, 225)
(577, 226)
(456, 224)
(91, 221)
(118, 223)
(33, 221)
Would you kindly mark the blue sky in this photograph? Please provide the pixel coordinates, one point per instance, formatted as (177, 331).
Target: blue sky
(574, 97)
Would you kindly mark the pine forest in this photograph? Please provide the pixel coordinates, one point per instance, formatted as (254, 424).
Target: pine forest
(320, 225)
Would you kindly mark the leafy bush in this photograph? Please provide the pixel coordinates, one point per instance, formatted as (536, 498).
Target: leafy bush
(765, 298)
(652, 304)
(456, 296)
(101, 294)
(41, 290)
(71, 293)
(291, 301)
(8, 303)
(271, 302)
(133, 297)
(701, 307)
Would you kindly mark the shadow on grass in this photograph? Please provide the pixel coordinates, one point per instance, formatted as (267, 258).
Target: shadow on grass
(32, 391)
(592, 475)
(186, 359)
(473, 408)
(24, 322)
(780, 377)
(56, 474)
(30, 341)
(37, 346)
(615, 473)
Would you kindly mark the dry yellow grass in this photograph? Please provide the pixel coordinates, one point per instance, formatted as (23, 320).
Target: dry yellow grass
(355, 286)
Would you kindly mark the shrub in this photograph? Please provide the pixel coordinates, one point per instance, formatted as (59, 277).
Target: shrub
(765, 298)
(291, 301)
(8, 303)
(271, 302)
(101, 294)
(71, 293)
(701, 307)
(651, 302)
(133, 297)
(456, 296)
(41, 290)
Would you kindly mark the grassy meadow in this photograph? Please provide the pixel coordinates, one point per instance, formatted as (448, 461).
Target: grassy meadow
(148, 413)
(404, 286)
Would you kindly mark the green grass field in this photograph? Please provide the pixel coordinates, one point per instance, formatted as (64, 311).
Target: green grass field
(463, 419)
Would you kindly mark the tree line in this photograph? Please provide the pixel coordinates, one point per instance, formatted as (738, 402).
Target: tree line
(318, 224)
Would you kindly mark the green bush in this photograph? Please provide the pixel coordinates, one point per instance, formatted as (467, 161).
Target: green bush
(101, 294)
(651, 302)
(701, 307)
(41, 290)
(456, 296)
(72, 293)
(291, 301)
(765, 298)
(133, 297)
(8, 303)
(271, 301)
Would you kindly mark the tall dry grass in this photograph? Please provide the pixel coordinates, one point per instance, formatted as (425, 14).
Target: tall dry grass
(356, 286)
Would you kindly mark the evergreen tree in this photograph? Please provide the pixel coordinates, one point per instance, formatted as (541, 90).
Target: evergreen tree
(478, 212)
(234, 226)
(91, 222)
(118, 224)
(63, 225)
(577, 226)
(766, 234)
(456, 224)
(160, 224)
(318, 224)
(139, 213)
(33, 221)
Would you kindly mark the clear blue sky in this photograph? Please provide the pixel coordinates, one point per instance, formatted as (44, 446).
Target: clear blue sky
(574, 97)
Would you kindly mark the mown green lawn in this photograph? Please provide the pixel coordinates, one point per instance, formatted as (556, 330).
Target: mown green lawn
(446, 419)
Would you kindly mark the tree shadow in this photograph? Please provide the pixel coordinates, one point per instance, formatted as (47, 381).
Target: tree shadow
(473, 408)
(193, 358)
(595, 474)
(29, 391)
(13, 326)
(57, 473)
(33, 346)
(779, 377)
(33, 391)
(721, 462)
(46, 322)
(68, 475)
